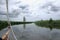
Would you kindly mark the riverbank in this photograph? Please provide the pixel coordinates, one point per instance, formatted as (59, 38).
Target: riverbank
(4, 24)
(49, 23)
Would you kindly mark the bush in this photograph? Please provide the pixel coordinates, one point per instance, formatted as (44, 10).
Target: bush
(49, 23)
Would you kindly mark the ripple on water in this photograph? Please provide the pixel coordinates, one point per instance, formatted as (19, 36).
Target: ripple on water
(32, 32)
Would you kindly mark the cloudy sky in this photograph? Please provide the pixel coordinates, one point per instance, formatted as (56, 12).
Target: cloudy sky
(32, 9)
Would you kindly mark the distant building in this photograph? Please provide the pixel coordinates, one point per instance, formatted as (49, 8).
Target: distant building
(24, 19)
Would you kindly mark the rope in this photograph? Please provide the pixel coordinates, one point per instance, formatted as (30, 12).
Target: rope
(9, 20)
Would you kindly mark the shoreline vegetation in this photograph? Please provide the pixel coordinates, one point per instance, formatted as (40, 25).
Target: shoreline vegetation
(49, 23)
(4, 24)
(42, 23)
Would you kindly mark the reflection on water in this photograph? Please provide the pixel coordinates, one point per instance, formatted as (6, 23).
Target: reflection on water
(3, 31)
(32, 32)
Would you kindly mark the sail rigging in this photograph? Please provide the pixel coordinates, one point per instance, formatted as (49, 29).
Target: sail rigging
(8, 21)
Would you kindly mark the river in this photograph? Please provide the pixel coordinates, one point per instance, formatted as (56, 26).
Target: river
(33, 32)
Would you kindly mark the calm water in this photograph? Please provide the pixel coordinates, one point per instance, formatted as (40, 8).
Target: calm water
(33, 32)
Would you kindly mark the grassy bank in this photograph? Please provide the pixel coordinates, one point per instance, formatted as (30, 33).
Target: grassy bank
(49, 23)
(4, 24)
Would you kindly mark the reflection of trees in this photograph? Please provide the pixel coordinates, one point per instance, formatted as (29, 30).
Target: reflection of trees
(50, 23)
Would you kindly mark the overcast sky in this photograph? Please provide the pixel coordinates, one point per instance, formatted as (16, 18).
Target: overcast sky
(32, 9)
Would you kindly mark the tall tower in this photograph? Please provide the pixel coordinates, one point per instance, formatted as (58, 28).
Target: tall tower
(24, 22)
(24, 19)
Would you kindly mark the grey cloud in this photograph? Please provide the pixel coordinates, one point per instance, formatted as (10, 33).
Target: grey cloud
(23, 6)
(14, 3)
(18, 2)
(2, 2)
(16, 12)
(46, 5)
(53, 8)
(11, 2)
(13, 14)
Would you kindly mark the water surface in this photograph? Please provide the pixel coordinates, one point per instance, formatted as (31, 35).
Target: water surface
(33, 32)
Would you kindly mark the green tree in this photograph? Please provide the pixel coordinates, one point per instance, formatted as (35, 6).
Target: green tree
(50, 23)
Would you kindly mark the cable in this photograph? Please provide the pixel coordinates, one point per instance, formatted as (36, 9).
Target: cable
(9, 20)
